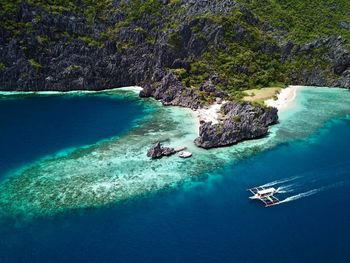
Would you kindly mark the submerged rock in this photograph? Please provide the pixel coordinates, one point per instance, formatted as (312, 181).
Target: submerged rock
(157, 151)
(242, 122)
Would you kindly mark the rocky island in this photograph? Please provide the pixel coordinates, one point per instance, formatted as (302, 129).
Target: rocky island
(184, 53)
(157, 151)
(242, 122)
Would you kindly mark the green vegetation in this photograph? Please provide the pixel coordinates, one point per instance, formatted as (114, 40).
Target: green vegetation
(260, 95)
(304, 20)
(42, 40)
(34, 64)
(9, 6)
(133, 11)
(90, 41)
(136, 9)
(237, 118)
(72, 68)
(91, 10)
(181, 73)
(243, 65)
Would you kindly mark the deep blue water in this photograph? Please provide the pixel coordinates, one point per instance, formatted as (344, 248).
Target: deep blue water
(212, 221)
(33, 127)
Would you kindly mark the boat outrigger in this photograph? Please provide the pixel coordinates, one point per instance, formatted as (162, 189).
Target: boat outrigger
(266, 195)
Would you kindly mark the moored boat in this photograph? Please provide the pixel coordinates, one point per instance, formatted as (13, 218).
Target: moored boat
(184, 154)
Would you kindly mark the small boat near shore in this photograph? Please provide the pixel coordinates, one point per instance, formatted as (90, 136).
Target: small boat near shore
(184, 154)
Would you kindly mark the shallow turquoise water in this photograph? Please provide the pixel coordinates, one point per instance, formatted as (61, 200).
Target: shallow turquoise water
(193, 210)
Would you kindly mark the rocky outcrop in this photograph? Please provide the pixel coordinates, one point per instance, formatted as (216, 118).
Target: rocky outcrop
(170, 91)
(157, 151)
(332, 52)
(242, 122)
(209, 86)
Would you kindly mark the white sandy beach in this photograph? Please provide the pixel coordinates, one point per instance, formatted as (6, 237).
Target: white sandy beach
(211, 113)
(284, 98)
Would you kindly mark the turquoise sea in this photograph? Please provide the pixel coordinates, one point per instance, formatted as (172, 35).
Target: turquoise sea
(76, 186)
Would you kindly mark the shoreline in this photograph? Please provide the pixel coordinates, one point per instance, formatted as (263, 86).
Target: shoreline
(135, 89)
(207, 114)
(212, 114)
(285, 98)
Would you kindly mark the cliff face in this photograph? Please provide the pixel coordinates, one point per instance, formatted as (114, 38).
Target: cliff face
(59, 52)
(170, 91)
(141, 42)
(242, 122)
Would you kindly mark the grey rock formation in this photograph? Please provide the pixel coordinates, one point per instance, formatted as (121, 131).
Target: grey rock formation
(242, 122)
(334, 53)
(170, 91)
(157, 151)
(210, 88)
(67, 58)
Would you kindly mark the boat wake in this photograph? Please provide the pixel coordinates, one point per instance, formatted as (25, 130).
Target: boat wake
(285, 189)
(301, 195)
(311, 182)
(280, 181)
(314, 191)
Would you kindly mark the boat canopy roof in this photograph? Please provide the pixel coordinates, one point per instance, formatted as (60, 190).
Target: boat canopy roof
(266, 191)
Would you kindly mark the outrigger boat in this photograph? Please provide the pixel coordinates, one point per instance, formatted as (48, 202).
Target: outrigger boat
(266, 195)
(184, 154)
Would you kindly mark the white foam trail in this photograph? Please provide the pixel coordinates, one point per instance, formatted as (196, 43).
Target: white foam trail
(301, 195)
(285, 189)
(280, 181)
(314, 191)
